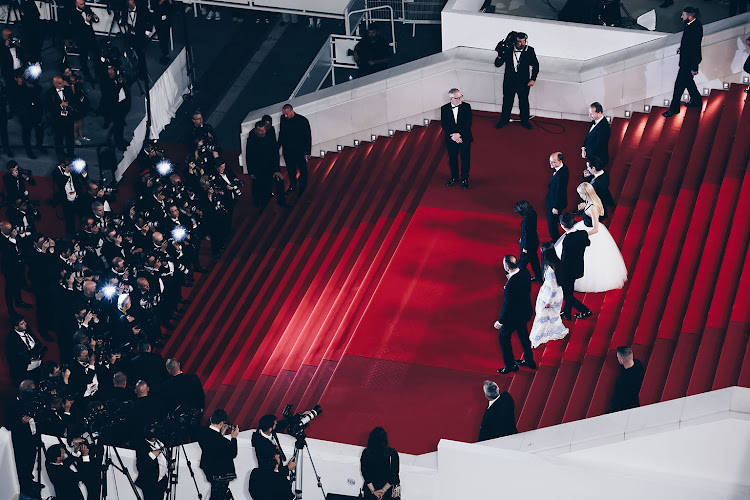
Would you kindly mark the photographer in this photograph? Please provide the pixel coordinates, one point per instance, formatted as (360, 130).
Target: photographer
(15, 181)
(23, 351)
(12, 267)
(12, 57)
(521, 70)
(201, 132)
(219, 450)
(264, 440)
(63, 477)
(28, 104)
(152, 464)
(270, 480)
(83, 381)
(82, 19)
(69, 190)
(41, 261)
(24, 434)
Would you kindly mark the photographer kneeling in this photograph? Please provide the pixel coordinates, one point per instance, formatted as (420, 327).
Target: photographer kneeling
(219, 450)
(521, 70)
(271, 479)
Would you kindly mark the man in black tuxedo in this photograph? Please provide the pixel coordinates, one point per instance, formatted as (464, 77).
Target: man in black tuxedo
(455, 118)
(152, 464)
(629, 382)
(82, 19)
(24, 434)
(59, 106)
(516, 313)
(295, 139)
(148, 366)
(557, 194)
(499, 418)
(529, 241)
(521, 70)
(219, 451)
(64, 479)
(83, 382)
(182, 389)
(690, 58)
(12, 56)
(15, 182)
(599, 180)
(23, 351)
(596, 142)
(262, 161)
(271, 480)
(574, 245)
(12, 267)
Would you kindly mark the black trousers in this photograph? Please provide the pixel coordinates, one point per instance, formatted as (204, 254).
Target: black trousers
(295, 162)
(26, 128)
(220, 489)
(454, 150)
(154, 491)
(4, 129)
(553, 225)
(531, 257)
(263, 186)
(571, 301)
(70, 212)
(511, 89)
(507, 348)
(684, 81)
(14, 281)
(162, 31)
(63, 136)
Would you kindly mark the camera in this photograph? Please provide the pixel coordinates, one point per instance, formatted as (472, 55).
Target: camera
(14, 41)
(295, 424)
(25, 172)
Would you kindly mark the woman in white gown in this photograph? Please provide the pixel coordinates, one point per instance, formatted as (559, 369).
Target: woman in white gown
(603, 266)
(548, 324)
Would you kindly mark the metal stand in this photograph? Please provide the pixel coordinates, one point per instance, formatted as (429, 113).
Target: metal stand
(174, 472)
(299, 459)
(107, 463)
(189, 61)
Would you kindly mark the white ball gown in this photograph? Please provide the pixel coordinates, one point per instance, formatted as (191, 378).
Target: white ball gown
(548, 324)
(603, 266)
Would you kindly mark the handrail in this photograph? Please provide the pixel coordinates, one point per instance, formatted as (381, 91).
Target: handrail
(324, 51)
(371, 9)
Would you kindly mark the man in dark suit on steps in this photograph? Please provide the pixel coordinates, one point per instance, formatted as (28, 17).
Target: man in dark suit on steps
(455, 118)
(690, 58)
(596, 142)
(499, 418)
(557, 194)
(516, 313)
(599, 180)
(521, 70)
(574, 245)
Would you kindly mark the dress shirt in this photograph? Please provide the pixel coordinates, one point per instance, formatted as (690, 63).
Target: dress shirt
(455, 113)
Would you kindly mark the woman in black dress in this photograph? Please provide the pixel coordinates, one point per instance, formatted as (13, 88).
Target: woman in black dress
(379, 464)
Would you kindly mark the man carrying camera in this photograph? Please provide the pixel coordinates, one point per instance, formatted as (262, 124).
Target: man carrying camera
(12, 267)
(15, 182)
(12, 57)
(152, 464)
(219, 451)
(521, 70)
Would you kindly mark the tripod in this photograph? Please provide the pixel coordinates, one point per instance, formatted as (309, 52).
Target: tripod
(299, 445)
(107, 463)
(174, 472)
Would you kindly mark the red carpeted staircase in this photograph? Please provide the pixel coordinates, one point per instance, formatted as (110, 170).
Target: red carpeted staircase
(375, 296)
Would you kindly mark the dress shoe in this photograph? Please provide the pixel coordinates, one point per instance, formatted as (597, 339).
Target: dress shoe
(526, 364)
(506, 370)
(451, 182)
(501, 124)
(583, 315)
(289, 191)
(465, 184)
(566, 316)
(668, 113)
(24, 305)
(526, 125)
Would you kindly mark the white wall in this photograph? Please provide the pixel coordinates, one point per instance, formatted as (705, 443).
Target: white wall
(462, 25)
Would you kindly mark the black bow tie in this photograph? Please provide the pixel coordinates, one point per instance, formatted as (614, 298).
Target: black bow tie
(454, 107)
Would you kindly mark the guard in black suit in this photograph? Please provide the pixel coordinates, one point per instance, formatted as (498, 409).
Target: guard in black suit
(219, 451)
(557, 194)
(499, 418)
(516, 313)
(262, 163)
(521, 70)
(599, 180)
(295, 138)
(455, 118)
(596, 142)
(573, 247)
(182, 389)
(152, 464)
(690, 58)
(529, 241)
(59, 101)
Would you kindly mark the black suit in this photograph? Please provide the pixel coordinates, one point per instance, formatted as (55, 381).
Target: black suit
(183, 390)
(557, 197)
(601, 186)
(65, 480)
(15, 187)
(148, 472)
(499, 419)
(574, 245)
(217, 460)
(530, 243)
(597, 141)
(267, 484)
(262, 162)
(265, 449)
(150, 367)
(13, 270)
(516, 313)
(462, 126)
(19, 356)
(516, 81)
(690, 58)
(61, 120)
(295, 139)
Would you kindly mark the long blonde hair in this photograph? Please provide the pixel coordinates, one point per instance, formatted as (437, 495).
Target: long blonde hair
(587, 193)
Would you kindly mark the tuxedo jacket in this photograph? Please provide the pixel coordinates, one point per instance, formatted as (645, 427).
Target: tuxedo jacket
(218, 453)
(148, 468)
(264, 448)
(557, 190)
(463, 126)
(80, 378)
(529, 235)
(601, 186)
(267, 484)
(65, 480)
(528, 64)
(52, 104)
(517, 308)
(18, 353)
(574, 245)
(597, 141)
(184, 390)
(690, 46)
(499, 419)
(15, 187)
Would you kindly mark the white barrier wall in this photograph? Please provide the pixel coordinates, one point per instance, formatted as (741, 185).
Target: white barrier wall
(462, 25)
(408, 94)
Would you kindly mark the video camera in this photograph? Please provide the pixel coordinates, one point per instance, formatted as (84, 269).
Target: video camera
(295, 424)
